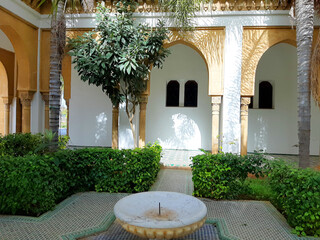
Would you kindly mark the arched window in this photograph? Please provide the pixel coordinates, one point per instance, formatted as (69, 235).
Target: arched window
(173, 89)
(265, 95)
(251, 102)
(191, 94)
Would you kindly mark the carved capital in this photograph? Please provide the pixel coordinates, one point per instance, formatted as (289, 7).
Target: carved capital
(115, 110)
(215, 103)
(7, 100)
(245, 101)
(143, 99)
(45, 98)
(26, 98)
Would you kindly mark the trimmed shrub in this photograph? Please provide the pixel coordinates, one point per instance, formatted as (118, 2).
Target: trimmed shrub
(29, 185)
(221, 176)
(22, 144)
(297, 196)
(33, 184)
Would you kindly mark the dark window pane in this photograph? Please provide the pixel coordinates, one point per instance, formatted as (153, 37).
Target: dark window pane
(251, 102)
(173, 89)
(191, 94)
(265, 95)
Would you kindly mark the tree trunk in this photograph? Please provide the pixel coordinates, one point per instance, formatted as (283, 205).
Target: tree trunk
(57, 45)
(304, 15)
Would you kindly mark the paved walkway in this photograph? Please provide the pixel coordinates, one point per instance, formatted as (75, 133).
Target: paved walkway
(89, 213)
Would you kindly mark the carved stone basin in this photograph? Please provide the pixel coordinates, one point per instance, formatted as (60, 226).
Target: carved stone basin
(179, 214)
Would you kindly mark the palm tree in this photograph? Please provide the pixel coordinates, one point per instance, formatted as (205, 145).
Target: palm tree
(304, 10)
(57, 48)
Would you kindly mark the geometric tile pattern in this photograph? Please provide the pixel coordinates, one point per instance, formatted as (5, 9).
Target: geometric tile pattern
(173, 180)
(178, 158)
(116, 232)
(88, 213)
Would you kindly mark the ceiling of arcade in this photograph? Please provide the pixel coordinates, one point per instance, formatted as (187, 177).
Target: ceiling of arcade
(153, 5)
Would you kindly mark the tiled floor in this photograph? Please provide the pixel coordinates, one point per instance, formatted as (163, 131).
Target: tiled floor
(88, 213)
(178, 158)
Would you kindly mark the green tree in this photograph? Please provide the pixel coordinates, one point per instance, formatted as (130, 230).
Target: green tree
(57, 49)
(119, 54)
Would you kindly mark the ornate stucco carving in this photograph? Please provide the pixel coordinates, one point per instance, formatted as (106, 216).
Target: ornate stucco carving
(209, 43)
(256, 41)
(213, 5)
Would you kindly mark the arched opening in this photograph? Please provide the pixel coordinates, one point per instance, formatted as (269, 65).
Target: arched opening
(265, 94)
(173, 93)
(191, 94)
(180, 127)
(273, 126)
(7, 81)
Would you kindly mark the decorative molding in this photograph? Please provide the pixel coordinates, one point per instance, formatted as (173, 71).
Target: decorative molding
(26, 98)
(209, 43)
(245, 101)
(215, 104)
(255, 42)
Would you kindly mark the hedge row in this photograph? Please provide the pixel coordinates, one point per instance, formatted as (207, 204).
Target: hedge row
(221, 176)
(22, 144)
(34, 184)
(297, 196)
(295, 192)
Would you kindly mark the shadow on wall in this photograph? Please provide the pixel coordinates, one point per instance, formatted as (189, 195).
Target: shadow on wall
(186, 134)
(261, 136)
(101, 128)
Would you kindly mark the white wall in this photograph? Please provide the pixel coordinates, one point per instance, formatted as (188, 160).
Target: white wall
(179, 127)
(90, 113)
(5, 42)
(275, 130)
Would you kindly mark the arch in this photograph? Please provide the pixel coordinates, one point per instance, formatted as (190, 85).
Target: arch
(191, 94)
(189, 44)
(172, 93)
(256, 41)
(209, 44)
(22, 59)
(265, 95)
(3, 81)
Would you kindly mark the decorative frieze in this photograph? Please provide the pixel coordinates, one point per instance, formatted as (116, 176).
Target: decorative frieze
(146, 6)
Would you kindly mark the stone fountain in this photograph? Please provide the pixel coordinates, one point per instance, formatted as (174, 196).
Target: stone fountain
(160, 215)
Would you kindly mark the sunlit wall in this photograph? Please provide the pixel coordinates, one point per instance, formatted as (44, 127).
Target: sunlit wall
(275, 130)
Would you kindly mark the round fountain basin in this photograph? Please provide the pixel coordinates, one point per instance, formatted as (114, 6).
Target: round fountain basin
(180, 214)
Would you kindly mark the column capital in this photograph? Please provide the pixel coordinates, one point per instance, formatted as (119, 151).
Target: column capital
(143, 99)
(7, 100)
(45, 97)
(245, 101)
(215, 103)
(26, 97)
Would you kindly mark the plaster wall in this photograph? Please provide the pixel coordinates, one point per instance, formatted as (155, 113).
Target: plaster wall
(5, 42)
(179, 127)
(275, 130)
(90, 113)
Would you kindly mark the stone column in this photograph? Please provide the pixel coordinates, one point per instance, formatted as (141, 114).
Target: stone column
(7, 102)
(67, 103)
(142, 121)
(231, 129)
(215, 103)
(45, 98)
(245, 101)
(115, 127)
(26, 98)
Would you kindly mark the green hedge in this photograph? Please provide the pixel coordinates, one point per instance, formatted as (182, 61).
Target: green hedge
(297, 196)
(34, 184)
(221, 176)
(22, 144)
